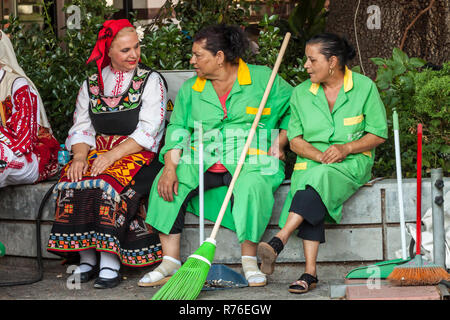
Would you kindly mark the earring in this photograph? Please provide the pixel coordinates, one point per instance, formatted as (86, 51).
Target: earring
(330, 71)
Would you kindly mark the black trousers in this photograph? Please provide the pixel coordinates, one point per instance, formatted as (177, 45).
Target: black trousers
(211, 180)
(309, 205)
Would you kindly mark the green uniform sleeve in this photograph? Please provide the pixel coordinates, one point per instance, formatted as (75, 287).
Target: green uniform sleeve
(295, 126)
(375, 114)
(178, 133)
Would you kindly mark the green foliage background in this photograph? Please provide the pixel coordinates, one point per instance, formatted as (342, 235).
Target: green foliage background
(58, 68)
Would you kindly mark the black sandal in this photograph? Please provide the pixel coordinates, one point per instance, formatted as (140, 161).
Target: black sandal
(268, 253)
(303, 284)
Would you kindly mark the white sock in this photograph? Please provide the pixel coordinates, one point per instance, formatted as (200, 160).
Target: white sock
(87, 256)
(109, 260)
(167, 267)
(250, 266)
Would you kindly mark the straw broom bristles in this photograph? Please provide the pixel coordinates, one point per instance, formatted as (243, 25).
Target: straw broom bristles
(189, 280)
(418, 273)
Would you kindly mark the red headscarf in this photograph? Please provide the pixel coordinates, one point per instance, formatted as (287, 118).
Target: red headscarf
(105, 37)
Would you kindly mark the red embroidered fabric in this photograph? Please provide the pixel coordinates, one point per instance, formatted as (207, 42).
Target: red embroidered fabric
(21, 125)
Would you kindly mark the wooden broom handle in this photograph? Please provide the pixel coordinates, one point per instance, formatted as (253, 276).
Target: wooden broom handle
(250, 136)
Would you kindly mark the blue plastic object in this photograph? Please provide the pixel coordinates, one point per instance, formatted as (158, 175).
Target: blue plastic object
(222, 277)
(63, 155)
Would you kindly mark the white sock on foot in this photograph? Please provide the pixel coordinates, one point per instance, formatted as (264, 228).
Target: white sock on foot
(167, 267)
(87, 256)
(251, 270)
(109, 260)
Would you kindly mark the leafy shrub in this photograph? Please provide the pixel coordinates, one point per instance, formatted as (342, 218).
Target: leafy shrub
(58, 68)
(432, 102)
(419, 95)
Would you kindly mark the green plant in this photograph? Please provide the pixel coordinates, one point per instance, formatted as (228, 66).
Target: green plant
(432, 102)
(306, 20)
(164, 48)
(419, 96)
(172, 38)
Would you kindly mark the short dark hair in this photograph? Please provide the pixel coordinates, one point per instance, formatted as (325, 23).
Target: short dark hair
(334, 45)
(227, 38)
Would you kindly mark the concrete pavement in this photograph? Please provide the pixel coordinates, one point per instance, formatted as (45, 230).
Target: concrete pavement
(56, 285)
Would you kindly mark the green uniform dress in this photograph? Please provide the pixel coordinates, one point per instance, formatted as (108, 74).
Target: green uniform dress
(223, 139)
(358, 110)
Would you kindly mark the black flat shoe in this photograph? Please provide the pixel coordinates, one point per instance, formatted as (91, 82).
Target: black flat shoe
(106, 283)
(88, 275)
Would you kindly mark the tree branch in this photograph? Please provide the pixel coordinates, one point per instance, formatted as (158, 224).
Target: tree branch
(402, 43)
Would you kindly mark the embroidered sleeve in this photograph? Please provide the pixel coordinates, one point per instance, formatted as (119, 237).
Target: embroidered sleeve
(20, 132)
(82, 130)
(150, 127)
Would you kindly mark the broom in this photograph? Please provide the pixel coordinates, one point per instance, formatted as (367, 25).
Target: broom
(418, 272)
(188, 281)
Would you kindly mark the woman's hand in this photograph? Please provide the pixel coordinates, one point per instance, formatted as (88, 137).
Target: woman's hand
(103, 162)
(77, 168)
(335, 153)
(107, 159)
(277, 153)
(305, 149)
(338, 152)
(79, 165)
(168, 184)
(277, 148)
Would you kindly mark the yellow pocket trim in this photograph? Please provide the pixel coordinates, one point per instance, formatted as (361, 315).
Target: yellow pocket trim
(367, 153)
(254, 152)
(353, 120)
(300, 166)
(251, 110)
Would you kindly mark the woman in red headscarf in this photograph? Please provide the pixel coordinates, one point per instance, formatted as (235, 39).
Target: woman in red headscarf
(117, 129)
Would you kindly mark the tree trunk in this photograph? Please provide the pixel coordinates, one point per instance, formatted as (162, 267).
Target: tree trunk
(428, 38)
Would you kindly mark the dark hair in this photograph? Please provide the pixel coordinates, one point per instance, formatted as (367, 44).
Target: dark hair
(221, 37)
(333, 45)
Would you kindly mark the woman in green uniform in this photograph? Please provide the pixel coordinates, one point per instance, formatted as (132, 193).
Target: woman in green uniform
(223, 98)
(337, 121)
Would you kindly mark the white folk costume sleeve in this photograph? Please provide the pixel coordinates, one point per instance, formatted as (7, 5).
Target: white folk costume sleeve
(150, 128)
(82, 130)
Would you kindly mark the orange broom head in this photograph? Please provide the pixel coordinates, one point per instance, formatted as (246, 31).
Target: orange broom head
(418, 273)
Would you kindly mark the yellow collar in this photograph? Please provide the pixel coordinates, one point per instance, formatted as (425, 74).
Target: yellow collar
(243, 77)
(348, 82)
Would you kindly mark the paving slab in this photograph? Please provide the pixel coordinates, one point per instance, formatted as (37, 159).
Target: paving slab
(57, 285)
(385, 291)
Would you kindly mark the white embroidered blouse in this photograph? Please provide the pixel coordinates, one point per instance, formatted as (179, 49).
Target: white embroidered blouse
(150, 128)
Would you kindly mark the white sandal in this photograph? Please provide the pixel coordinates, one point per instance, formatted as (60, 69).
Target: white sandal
(153, 279)
(161, 274)
(252, 273)
(249, 275)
